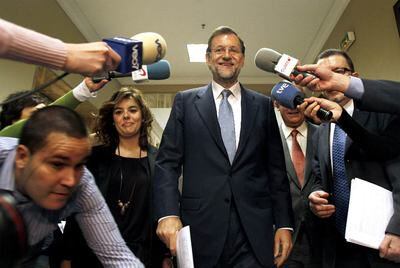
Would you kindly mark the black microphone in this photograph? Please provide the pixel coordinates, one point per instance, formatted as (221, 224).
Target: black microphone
(156, 71)
(271, 61)
(290, 96)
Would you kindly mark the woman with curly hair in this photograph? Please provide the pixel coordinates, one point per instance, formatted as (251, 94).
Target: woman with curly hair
(123, 167)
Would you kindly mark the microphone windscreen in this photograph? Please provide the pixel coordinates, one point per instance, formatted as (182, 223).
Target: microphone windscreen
(266, 59)
(285, 93)
(159, 70)
(154, 46)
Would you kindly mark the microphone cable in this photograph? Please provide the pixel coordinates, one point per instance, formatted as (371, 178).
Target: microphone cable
(37, 89)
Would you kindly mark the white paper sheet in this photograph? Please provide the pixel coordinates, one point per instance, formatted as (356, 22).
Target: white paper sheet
(370, 210)
(184, 254)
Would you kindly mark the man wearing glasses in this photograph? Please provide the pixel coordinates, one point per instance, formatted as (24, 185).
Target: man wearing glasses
(355, 144)
(235, 186)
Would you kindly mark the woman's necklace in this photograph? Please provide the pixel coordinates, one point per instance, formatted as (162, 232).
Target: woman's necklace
(124, 206)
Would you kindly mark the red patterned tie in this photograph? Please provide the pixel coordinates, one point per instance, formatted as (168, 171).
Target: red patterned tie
(297, 157)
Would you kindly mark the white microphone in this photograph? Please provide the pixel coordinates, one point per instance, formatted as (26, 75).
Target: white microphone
(282, 64)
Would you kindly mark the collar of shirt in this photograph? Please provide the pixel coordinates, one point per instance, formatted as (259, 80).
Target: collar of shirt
(349, 107)
(302, 129)
(217, 89)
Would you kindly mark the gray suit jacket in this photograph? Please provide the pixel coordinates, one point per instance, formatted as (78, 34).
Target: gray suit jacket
(304, 219)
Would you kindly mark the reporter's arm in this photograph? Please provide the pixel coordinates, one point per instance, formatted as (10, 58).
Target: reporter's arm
(18, 43)
(21, 44)
(72, 99)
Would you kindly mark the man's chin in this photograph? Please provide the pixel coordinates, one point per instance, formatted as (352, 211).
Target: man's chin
(54, 204)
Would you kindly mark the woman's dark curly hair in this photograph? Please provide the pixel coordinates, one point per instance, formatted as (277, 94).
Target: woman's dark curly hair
(105, 128)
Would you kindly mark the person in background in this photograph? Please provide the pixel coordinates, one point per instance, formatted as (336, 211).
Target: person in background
(123, 167)
(44, 171)
(21, 108)
(296, 135)
(21, 44)
(84, 91)
(355, 144)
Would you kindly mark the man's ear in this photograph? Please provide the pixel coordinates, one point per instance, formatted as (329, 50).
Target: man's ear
(355, 74)
(276, 104)
(208, 57)
(22, 156)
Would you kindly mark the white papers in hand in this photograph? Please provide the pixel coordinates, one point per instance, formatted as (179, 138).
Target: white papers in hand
(370, 209)
(184, 254)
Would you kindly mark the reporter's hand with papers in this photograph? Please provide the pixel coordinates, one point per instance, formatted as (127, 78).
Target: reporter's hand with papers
(167, 230)
(319, 204)
(390, 248)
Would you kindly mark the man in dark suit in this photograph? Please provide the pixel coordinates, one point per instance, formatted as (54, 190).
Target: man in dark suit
(235, 187)
(357, 144)
(371, 95)
(296, 135)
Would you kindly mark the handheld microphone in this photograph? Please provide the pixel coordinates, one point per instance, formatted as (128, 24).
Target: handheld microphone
(143, 48)
(156, 71)
(154, 47)
(271, 61)
(289, 96)
(130, 52)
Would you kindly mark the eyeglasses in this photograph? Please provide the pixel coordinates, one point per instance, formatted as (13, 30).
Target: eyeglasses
(222, 50)
(342, 71)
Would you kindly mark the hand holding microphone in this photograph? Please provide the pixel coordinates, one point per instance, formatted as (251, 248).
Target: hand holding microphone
(316, 104)
(289, 96)
(324, 80)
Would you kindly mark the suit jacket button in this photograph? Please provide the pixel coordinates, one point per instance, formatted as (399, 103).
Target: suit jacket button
(227, 200)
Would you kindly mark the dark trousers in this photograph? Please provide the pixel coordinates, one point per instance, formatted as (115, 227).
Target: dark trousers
(302, 255)
(237, 251)
(349, 255)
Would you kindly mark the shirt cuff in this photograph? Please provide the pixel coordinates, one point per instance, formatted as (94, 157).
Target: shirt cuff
(355, 89)
(286, 228)
(82, 92)
(170, 216)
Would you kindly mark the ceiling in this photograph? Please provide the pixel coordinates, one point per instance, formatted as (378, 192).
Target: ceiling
(298, 28)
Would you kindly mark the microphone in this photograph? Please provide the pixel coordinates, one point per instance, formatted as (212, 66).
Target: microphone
(154, 47)
(130, 52)
(156, 71)
(289, 96)
(271, 61)
(143, 48)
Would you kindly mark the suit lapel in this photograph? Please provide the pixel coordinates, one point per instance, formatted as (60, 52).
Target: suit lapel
(205, 105)
(249, 112)
(309, 153)
(325, 136)
(288, 161)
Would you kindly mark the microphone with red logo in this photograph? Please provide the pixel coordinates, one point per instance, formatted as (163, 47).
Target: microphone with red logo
(156, 71)
(271, 61)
